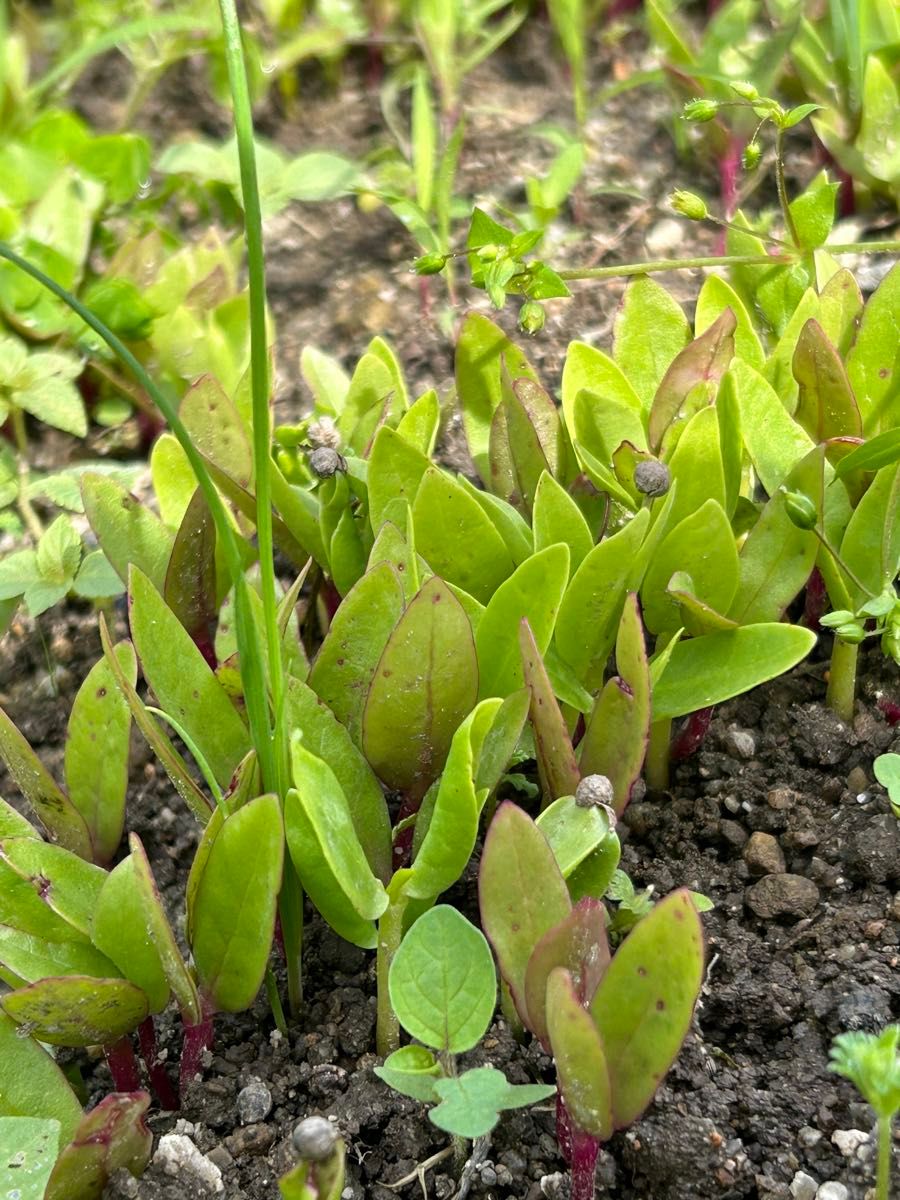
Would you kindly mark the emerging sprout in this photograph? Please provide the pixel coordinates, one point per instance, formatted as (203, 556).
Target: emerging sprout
(690, 205)
(652, 478)
(700, 110)
(872, 1063)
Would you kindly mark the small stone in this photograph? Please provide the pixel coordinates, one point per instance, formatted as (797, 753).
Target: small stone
(895, 908)
(515, 1163)
(740, 742)
(254, 1103)
(857, 780)
(782, 896)
(874, 851)
(832, 1190)
(220, 1156)
(763, 855)
(848, 1141)
(803, 1186)
(176, 1154)
(809, 1137)
(251, 1139)
(488, 1175)
(734, 833)
(781, 798)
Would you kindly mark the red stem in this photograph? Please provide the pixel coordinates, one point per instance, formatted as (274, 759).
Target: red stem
(816, 599)
(690, 737)
(166, 1093)
(579, 1149)
(890, 710)
(123, 1065)
(197, 1038)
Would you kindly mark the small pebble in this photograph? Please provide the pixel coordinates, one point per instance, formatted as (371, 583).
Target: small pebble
(857, 780)
(848, 1141)
(803, 1186)
(782, 896)
(781, 798)
(763, 855)
(740, 742)
(832, 1190)
(809, 1137)
(254, 1103)
(251, 1139)
(177, 1155)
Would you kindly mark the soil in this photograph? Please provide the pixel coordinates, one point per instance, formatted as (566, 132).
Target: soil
(780, 786)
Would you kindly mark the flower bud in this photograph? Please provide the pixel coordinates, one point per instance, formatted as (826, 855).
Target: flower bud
(593, 791)
(745, 90)
(429, 264)
(531, 317)
(700, 110)
(688, 204)
(751, 156)
(324, 461)
(315, 1139)
(852, 633)
(489, 252)
(801, 510)
(652, 478)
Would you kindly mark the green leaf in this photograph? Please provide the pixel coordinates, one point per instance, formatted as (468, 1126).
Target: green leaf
(233, 911)
(871, 543)
(77, 1010)
(456, 537)
(574, 832)
(615, 738)
(326, 379)
(878, 452)
(420, 423)
(480, 349)
(182, 681)
(508, 522)
(30, 958)
(580, 1056)
(557, 764)
(813, 210)
(534, 433)
(112, 1136)
(97, 749)
(840, 309)
(53, 808)
(534, 592)
(703, 546)
(557, 518)
(28, 1150)
(53, 398)
(704, 361)
(425, 684)
(325, 737)
(119, 928)
(522, 894)
(13, 824)
(588, 369)
(66, 883)
(59, 552)
(592, 605)
(715, 296)
(452, 828)
(96, 579)
(128, 532)
(645, 1002)
(650, 330)
(217, 429)
(345, 665)
(395, 471)
(774, 441)
(412, 1071)
(697, 465)
(190, 585)
(826, 407)
(873, 363)
(707, 670)
(877, 138)
(796, 115)
(33, 1083)
(778, 369)
(471, 1103)
(441, 982)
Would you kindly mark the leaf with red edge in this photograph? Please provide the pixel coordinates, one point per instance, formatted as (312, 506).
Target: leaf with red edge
(704, 360)
(556, 759)
(581, 1066)
(110, 1137)
(579, 944)
(522, 894)
(826, 407)
(190, 586)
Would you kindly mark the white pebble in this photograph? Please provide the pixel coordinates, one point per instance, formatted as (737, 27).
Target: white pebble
(832, 1190)
(803, 1186)
(177, 1153)
(848, 1141)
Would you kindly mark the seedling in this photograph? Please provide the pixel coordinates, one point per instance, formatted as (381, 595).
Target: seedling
(613, 1024)
(872, 1062)
(444, 992)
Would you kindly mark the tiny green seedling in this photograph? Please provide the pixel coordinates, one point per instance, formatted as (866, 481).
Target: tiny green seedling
(887, 772)
(872, 1062)
(444, 992)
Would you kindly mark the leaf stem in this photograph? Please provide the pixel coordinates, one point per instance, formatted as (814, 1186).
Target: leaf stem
(390, 932)
(841, 690)
(883, 1179)
(655, 266)
(782, 189)
(29, 516)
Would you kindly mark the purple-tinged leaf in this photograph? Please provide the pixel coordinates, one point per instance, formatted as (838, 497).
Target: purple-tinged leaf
(826, 407)
(190, 586)
(556, 759)
(581, 1065)
(522, 894)
(110, 1137)
(645, 1002)
(579, 944)
(705, 360)
(77, 1010)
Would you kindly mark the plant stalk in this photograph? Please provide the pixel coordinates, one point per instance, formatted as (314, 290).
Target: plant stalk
(656, 766)
(782, 189)
(655, 266)
(883, 1178)
(29, 516)
(123, 1065)
(390, 933)
(842, 679)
